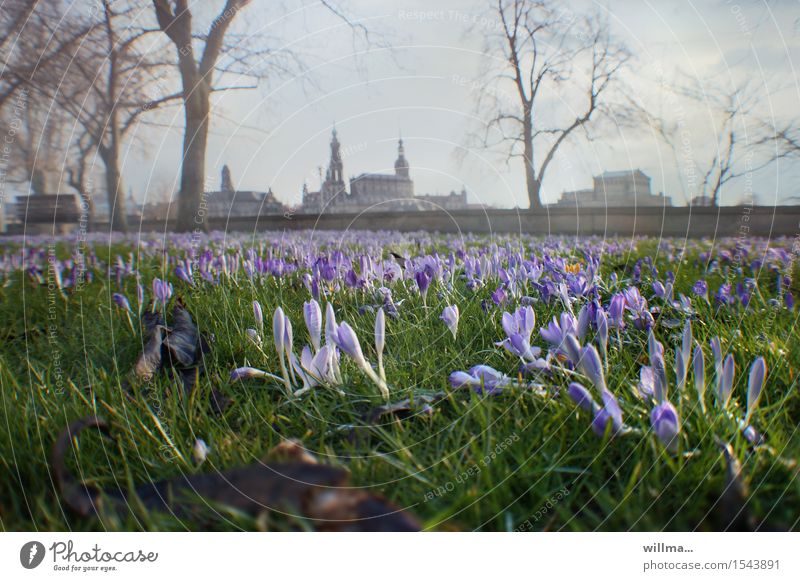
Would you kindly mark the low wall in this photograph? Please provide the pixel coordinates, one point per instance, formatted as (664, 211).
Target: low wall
(683, 222)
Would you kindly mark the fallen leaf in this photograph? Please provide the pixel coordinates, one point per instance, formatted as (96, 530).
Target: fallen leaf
(298, 486)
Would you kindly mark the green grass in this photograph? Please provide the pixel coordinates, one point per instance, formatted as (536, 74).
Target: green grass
(65, 354)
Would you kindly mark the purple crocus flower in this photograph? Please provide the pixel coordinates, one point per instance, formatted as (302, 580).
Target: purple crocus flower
(723, 295)
(459, 379)
(162, 290)
(716, 350)
(450, 318)
(582, 398)
(499, 296)
(700, 289)
(246, 373)
(647, 382)
(726, 385)
(121, 301)
(592, 367)
(522, 321)
(182, 274)
(659, 290)
(423, 282)
(312, 313)
(699, 365)
(682, 356)
(610, 413)
(666, 425)
(755, 383)
(557, 329)
(616, 311)
(347, 340)
(601, 322)
(259, 316)
(489, 380)
(585, 316)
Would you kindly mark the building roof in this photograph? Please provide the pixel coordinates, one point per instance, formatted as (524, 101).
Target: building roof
(620, 174)
(385, 177)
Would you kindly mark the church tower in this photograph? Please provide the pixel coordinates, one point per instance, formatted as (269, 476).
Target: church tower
(401, 168)
(334, 178)
(226, 181)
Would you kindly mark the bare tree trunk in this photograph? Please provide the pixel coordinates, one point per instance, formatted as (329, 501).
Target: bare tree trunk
(532, 183)
(195, 138)
(118, 215)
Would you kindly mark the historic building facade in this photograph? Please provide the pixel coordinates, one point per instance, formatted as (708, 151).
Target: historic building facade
(383, 192)
(616, 188)
(228, 202)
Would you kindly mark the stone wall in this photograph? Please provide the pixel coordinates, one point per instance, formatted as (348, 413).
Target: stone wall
(681, 222)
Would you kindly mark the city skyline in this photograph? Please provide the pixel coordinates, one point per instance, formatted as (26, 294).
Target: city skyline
(277, 137)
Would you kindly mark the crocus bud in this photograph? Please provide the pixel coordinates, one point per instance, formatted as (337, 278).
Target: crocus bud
(609, 413)
(581, 396)
(347, 340)
(162, 290)
(246, 373)
(313, 317)
(181, 273)
(666, 425)
(699, 365)
(716, 350)
(380, 332)
(253, 335)
(460, 379)
(654, 347)
(259, 316)
(572, 348)
(279, 331)
(331, 327)
(583, 321)
(647, 381)
(726, 385)
(686, 341)
(758, 372)
(380, 340)
(592, 367)
(659, 377)
(681, 366)
(121, 301)
(450, 318)
(601, 320)
(199, 451)
(423, 281)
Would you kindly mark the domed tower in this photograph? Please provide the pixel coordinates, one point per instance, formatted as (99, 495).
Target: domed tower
(334, 184)
(336, 167)
(401, 168)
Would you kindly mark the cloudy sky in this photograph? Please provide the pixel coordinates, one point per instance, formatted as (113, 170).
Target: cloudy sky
(422, 76)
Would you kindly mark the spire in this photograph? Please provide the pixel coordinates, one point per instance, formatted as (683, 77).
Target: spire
(334, 177)
(401, 165)
(226, 181)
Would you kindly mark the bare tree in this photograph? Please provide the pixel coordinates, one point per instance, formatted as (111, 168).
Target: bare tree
(737, 144)
(782, 139)
(197, 77)
(103, 82)
(199, 60)
(547, 52)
